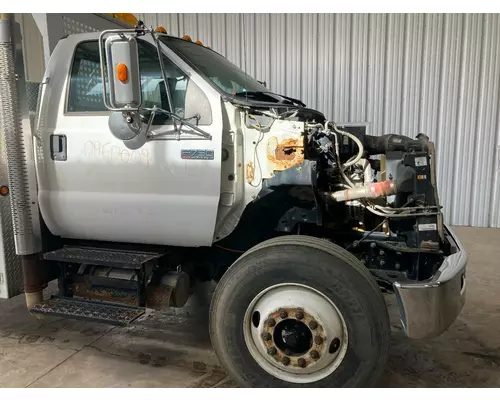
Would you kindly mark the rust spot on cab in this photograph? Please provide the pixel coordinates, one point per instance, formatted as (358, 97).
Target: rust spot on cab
(250, 172)
(285, 154)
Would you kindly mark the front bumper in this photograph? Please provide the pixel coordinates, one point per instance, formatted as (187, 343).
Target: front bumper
(429, 307)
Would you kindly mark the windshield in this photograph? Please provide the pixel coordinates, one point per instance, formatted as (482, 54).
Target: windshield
(227, 76)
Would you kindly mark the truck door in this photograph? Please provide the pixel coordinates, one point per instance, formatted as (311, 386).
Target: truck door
(91, 186)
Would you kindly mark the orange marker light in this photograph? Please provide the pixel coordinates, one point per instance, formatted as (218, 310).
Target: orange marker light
(199, 42)
(161, 29)
(122, 72)
(125, 17)
(187, 37)
(4, 191)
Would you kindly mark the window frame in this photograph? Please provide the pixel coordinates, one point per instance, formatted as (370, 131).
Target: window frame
(69, 113)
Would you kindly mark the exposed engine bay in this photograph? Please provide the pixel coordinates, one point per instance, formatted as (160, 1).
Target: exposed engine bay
(376, 196)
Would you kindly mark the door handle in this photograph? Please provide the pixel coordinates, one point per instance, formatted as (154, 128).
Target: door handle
(58, 147)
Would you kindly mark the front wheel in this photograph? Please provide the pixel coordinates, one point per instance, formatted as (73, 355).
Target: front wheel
(298, 311)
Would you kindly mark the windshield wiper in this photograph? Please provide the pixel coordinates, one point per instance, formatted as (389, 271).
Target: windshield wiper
(269, 95)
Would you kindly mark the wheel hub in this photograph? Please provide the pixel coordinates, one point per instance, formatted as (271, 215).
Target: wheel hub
(291, 338)
(294, 343)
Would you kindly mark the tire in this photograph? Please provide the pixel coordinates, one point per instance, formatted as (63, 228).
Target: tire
(330, 270)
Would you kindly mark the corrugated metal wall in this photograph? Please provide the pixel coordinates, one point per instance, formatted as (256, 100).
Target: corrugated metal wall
(398, 73)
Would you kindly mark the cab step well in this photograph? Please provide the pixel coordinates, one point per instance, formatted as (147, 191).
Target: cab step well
(102, 312)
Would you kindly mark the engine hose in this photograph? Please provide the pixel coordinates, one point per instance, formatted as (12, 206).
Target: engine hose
(358, 157)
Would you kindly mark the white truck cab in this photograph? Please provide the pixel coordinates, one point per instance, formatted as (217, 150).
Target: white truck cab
(154, 173)
(92, 186)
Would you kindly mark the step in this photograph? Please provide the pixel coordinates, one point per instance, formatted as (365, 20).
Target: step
(98, 256)
(88, 310)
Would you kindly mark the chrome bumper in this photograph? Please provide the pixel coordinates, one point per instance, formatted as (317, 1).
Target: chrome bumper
(429, 307)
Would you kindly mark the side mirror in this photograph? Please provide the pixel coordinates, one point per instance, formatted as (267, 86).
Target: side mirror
(122, 61)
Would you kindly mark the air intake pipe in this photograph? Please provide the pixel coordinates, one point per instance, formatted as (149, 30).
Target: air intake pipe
(371, 191)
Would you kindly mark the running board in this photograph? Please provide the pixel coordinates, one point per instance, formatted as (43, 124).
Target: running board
(112, 258)
(88, 310)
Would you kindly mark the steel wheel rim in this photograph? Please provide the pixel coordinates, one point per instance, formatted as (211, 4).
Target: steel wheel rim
(283, 312)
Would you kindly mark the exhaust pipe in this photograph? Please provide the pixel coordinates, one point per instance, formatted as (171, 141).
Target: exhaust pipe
(26, 242)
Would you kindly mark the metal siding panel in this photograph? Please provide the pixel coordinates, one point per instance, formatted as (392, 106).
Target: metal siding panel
(219, 36)
(471, 60)
(342, 67)
(204, 29)
(326, 57)
(278, 53)
(309, 69)
(488, 173)
(293, 47)
(495, 204)
(233, 40)
(404, 73)
(188, 25)
(413, 62)
(262, 48)
(248, 44)
(447, 133)
(482, 156)
(377, 43)
(394, 73)
(359, 67)
(168, 21)
(432, 54)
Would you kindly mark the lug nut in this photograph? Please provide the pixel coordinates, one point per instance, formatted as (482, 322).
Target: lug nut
(299, 315)
(382, 252)
(373, 245)
(301, 362)
(283, 314)
(318, 340)
(266, 336)
(272, 351)
(314, 354)
(270, 323)
(313, 324)
(285, 360)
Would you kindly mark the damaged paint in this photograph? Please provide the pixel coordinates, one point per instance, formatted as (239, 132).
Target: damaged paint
(250, 172)
(286, 153)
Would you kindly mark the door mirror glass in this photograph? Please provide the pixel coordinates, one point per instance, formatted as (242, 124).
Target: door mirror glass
(122, 61)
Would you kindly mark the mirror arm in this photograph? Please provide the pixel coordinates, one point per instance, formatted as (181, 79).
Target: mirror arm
(177, 128)
(150, 121)
(162, 67)
(197, 117)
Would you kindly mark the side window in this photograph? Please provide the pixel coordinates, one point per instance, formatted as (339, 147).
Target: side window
(85, 90)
